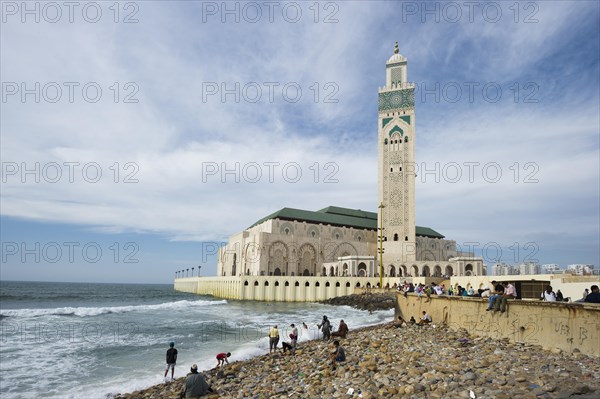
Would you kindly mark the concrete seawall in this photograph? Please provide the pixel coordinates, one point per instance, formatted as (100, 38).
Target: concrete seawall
(276, 288)
(553, 325)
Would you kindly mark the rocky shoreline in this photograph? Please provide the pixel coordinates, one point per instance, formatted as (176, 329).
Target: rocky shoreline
(409, 362)
(371, 301)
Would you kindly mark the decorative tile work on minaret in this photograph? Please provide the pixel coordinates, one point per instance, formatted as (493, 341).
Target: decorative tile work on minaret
(396, 149)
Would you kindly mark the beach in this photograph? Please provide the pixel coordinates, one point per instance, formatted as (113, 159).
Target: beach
(385, 361)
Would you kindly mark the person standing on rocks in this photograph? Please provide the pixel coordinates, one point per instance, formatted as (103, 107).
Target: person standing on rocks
(325, 327)
(273, 339)
(171, 359)
(342, 330)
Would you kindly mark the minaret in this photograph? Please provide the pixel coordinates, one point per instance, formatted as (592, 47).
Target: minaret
(396, 177)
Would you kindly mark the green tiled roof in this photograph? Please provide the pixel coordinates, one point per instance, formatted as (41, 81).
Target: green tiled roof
(337, 216)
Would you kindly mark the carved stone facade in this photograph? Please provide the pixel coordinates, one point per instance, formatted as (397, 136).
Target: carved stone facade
(396, 149)
(278, 247)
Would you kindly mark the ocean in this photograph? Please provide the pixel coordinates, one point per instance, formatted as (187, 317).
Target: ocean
(80, 340)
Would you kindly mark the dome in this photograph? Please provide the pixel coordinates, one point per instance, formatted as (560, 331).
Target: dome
(397, 57)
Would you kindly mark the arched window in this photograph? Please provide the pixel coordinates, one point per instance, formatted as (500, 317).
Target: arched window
(246, 282)
(256, 283)
(405, 238)
(385, 141)
(396, 237)
(297, 284)
(327, 284)
(266, 283)
(317, 284)
(276, 283)
(337, 284)
(287, 283)
(307, 284)
(348, 284)
(406, 139)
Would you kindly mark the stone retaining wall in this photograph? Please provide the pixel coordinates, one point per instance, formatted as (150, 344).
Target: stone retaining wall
(553, 325)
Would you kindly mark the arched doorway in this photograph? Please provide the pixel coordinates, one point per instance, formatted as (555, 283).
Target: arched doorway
(469, 269)
(362, 269)
(392, 272)
(449, 271)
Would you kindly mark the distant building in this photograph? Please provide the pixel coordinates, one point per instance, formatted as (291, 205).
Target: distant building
(581, 269)
(551, 268)
(503, 269)
(529, 268)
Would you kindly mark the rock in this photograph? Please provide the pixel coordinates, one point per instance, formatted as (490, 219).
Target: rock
(387, 362)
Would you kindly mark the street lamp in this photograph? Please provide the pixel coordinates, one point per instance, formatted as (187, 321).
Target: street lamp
(199, 270)
(381, 206)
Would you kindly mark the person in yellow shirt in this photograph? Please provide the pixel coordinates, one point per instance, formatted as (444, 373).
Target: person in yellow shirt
(273, 339)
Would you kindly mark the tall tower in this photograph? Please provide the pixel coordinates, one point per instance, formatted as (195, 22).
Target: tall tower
(396, 177)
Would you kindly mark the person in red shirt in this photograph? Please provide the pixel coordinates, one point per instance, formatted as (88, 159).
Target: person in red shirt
(222, 358)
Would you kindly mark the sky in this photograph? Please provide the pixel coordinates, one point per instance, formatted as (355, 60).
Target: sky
(137, 136)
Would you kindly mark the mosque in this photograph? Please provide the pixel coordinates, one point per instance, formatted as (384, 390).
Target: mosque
(302, 255)
(337, 241)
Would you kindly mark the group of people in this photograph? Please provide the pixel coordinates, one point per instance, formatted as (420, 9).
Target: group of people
(337, 354)
(550, 296)
(325, 327)
(195, 384)
(502, 293)
(593, 296)
(287, 346)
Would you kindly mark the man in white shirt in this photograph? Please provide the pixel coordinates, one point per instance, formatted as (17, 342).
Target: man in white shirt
(548, 295)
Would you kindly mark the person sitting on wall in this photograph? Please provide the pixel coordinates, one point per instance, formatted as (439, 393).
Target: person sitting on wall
(425, 319)
(498, 292)
(510, 292)
(412, 320)
(594, 296)
(559, 296)
(342, 330)
(548, 295)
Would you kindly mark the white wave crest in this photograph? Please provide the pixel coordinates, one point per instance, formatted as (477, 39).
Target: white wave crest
(96, 311)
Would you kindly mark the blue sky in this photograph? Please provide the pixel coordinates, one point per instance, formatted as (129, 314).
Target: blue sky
(158, 135)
